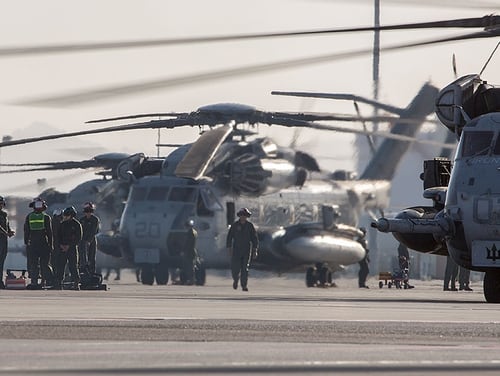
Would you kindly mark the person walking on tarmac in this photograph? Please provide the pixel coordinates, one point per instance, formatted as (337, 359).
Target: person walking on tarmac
(39, 243)
(242, 244)
(5, 233)
(70, 235)
(189, 253)
(90, 226)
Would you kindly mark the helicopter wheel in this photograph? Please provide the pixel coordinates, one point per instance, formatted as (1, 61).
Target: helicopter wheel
(324, 272)
(200, 275)
(147, 276)
(310, 277)
(162, 274)
(491, 287)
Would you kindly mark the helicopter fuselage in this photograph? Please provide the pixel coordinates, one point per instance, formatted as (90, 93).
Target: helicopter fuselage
(473, 197)
(290, 223)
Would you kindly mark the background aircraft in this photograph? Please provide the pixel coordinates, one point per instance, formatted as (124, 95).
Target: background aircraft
(43, 75)
(290, 221)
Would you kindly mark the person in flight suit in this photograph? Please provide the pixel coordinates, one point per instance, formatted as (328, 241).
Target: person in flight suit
(90, 226)
(39, 243)
(364, 270)
(189, 253)
(56, 224)
(5, 233)
(450, 275)
(242, 244)
(70, 235)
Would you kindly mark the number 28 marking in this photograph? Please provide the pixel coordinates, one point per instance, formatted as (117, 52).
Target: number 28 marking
(147, 230)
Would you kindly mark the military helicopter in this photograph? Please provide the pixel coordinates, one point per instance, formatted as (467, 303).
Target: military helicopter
(206, 180)
(463, 221)
(487, 21)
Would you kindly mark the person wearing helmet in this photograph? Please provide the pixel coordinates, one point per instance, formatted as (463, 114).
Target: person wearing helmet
(242, 244)
(90, 226)
(39, 244)
(69, 236)
(5, 233)
(364, 269)
(56, 224)
(189, 253)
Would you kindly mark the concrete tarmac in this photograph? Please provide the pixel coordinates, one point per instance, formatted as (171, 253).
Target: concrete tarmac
(278, 327)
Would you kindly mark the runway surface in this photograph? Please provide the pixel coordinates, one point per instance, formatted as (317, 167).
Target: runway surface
(278, 327)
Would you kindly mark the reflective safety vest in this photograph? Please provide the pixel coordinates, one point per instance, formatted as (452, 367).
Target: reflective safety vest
(36, 221)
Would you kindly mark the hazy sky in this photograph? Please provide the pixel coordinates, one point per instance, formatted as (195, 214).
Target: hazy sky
(35, 22)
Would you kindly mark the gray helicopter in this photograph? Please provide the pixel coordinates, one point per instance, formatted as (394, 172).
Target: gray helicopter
(302, 221)
(488, 22)
(464, 218)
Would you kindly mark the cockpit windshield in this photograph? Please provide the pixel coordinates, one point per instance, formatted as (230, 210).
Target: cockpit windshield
(158, 194)
(182, 194)
(476, 143)
(138, 194)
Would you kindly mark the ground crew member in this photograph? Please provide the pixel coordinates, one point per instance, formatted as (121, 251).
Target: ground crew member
(450, 275)
(464, 279)
(56, 224)
(39, 243)
(189, 253)
(90, 226)
(242, 244)
(70, 235)
(5, 233)
(364, 270)
(404, 264)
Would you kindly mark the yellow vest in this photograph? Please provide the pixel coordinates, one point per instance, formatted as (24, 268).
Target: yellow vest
(36, 221)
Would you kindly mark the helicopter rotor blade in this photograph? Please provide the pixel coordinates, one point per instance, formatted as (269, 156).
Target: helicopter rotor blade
(154, 124)
(174, 114)
(379, 134)
(488, 21)
(115, 91)
(46, 168)
(339, 96)
(318, 116)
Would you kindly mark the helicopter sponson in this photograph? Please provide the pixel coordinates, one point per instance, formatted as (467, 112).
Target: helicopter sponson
(420, 228)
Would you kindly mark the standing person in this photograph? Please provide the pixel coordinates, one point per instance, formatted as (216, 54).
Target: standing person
(5, 233)
(189, 253)
(450, 274)
(70, 235)
(56, 224)
(364, 269)
(90, 226)
(464, 279)
(404, 264)
(39, 243)
(242, 244)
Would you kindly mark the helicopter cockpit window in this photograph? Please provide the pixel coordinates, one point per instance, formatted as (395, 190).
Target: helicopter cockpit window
(476, 143)
(138, 194)
(182, 194)
(496, 150)
(207, 203)
(158, 194)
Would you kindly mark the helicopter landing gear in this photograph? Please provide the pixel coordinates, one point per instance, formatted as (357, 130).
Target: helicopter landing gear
(319, 275)
(147, 276)
(491, 287)
(161, 274)
(200, 275)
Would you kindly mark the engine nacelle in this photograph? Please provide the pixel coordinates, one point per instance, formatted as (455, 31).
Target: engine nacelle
(250, 175)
